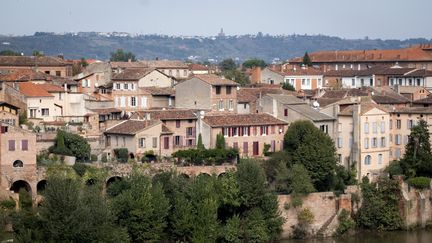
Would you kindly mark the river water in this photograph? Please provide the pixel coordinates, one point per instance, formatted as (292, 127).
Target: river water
(417, 236)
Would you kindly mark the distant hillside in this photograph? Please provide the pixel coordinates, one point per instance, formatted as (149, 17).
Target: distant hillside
(98, 46)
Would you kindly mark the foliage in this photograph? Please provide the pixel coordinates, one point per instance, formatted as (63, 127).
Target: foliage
(251, 180)
(121, 56)
(417, 160)
(206, 156)
(220, 141)
(237, 76)
(9, 53)
(380, 206)
(306, 60)
(25, 200)
(307, 145)
(122, 154)
(22, 117)
(104, 158)
(200, 144)
(71, 144)
(344, 177)
(80, 169)
(266, 149)
(300, 181)
(254, 62)
(345, 222)
(8, 203)
(419, 182)
(36, 53)
(305, 218)
(227, 65)
(394, 168)
(288, 86)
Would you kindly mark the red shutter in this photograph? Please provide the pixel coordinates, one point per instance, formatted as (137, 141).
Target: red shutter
(24, 145)
(261, 130)
(229, 132)
(11, 145)
(273, 129)
(240, 131)
(245, 148)
(223, 131)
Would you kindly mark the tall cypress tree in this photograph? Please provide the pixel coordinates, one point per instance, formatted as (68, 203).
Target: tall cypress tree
(306, 60)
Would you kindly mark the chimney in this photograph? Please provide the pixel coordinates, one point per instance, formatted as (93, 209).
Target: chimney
(60, 56)
(129, 60)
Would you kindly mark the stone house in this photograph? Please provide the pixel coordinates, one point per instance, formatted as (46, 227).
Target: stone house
(304, 78)
(94, 78)
(248, 133)
(290, 108)
(17, 159)
(55, 66)
(266, 76)
(207, 92)
(9, 114)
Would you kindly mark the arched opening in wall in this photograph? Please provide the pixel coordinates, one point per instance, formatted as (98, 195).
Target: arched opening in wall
(203, 175)
(185, 176)
(19, 185)
(113, 179)
(131, 156)
(40, 187)
(221, 175)
(18, 163)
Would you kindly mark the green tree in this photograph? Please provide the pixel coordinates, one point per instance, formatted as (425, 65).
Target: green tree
(59, 144)
(232, 231)
(306, 60)
(417, 160)
(251, 180)
(237, 76)
(37, 53)
(288, 86)
(227, 65)
(220, 141)
(254, 62)
(307, 145)
(22, 117)
(121, 56)
(299, 180)
(9, 53)
(200, 144)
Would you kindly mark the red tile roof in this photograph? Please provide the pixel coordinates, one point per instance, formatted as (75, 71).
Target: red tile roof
(159, 91)
(52, 88)
(133, 74)
(29, 89)
(170, 114)
(307, 71)
(215, 80)
(32, 61)
(198, 67)
(413, 53)
(242, 120)
(130, 127)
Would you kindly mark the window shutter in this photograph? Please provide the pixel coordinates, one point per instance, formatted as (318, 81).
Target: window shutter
(24, 145)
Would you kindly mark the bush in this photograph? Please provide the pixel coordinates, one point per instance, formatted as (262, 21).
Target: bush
(25, 200)
(122, 155)
(266, 149)
(288, 86)
(71, 144)
(419, 182)
(104, 158)
(215, 156)
(80, 169)
(296, 201)
(305, 218)
(345, 222)
(394, 168)
(93, 157)
(8, 204)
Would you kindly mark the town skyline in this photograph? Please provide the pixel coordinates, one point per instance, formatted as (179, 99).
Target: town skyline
(351, 20)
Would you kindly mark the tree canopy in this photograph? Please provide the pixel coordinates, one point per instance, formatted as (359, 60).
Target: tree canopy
(306, 60)
(121, 56)
(254, 62)
(227, 65)
(9, 53)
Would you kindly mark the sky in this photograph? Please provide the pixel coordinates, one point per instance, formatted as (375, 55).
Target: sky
(385, 19)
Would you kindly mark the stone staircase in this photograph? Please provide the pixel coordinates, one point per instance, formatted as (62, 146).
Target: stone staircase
(323, 231)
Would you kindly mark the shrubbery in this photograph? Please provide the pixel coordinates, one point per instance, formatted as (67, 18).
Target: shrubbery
(206, 156)
(419, 182)
(122, 154)
(71, 144)
(345, 222)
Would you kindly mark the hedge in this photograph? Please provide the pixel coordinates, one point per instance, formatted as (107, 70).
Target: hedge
(419, 182)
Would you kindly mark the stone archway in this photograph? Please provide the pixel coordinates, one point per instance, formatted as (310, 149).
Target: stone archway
(184, 175)
(18, 163)
(203, 174)
(112, 180)
(221, 175)
(40, 187)
(20, 184)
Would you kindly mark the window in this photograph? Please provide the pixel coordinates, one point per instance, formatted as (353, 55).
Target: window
(353, 82)
(382, 127)
(124, 141)
(18, 163)
(264, 130)
(367, 160)
(383, 142)
(177, 140)
(418, 82)
(122, 101)
(235, 131)
(221, 105)
(366, 127)
(245, 131)
(133, 101)
(143, 101)
(398, 139)
(285, 112)
(231, 105)
(24, 145)
(405, 139)
(245, 148)
(366, 143)
(58, 73)
(391, 124)
(132, 86)
(218, 90)
(47, 72)
(185, 73)
(374, 127)
(125, 86)
(228, 90)
(398, 153)
(154, 142)
(303, 81)
(142, 143)
(189, 142)
(117, 86)
(226, 131)
(379, 159)
(33, 113)
(189, 131)
(324, 128)
(339, 140)
(11, 145)
(374, 143)
(177, 124)
(410, 123)
(398, 124)
(45, 112)
(339, 127)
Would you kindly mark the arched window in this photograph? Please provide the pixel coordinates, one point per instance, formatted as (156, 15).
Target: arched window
(367, 160)
(18, 163)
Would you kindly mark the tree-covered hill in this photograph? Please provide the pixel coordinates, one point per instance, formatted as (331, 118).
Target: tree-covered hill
(99, 46)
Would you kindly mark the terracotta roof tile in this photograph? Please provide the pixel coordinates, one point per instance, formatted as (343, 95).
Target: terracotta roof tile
(198, 67)
(52, 88)
(31, 61)
(159, 91)
(29, 89)
(130, 127)
(242, 120)
(303, 72)
(215, 80)
(133, 74)
(170, 114)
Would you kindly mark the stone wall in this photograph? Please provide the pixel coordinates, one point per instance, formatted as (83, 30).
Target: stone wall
(415, 206)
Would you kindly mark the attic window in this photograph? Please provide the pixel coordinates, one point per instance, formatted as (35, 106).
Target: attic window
(18, 163)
